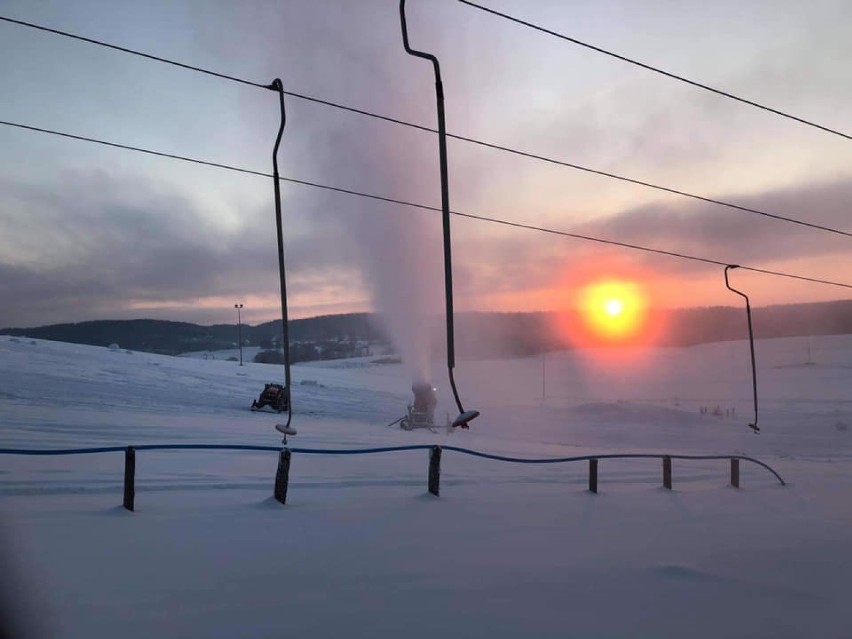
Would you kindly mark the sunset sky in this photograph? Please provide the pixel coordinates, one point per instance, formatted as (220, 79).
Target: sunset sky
(89, 232)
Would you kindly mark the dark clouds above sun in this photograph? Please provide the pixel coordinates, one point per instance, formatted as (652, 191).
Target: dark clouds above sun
(89, 232)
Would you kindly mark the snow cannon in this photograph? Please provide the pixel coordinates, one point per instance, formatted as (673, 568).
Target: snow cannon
(425, 398)
(421, 413)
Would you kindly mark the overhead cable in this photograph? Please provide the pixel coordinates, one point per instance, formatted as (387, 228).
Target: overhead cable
(101, 43)
(482, 218)
(667, 74)
(463, 138)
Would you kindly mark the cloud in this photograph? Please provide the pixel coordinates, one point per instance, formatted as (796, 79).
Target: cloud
(88, 244)
(99, 246)
(709, 230)
(521, 260)
(93, 245)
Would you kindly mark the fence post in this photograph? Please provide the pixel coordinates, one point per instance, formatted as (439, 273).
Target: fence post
(735, 472)
(667, 472)
(129, 477)
(282, 476)
(435, 470)
(593, 475)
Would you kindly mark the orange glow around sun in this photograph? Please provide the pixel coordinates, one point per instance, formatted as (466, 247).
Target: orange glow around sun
(609, 306)
(613, 311)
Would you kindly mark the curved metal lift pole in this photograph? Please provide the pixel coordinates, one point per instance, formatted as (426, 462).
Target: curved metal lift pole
(464, 416)
(285, 335)
(753, 426)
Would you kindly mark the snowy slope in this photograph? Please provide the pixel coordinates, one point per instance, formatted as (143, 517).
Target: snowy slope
(507, 551)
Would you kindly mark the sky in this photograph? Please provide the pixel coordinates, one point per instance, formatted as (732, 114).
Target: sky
(89, 232)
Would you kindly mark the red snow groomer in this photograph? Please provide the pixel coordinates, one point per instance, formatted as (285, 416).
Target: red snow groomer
(273, 395)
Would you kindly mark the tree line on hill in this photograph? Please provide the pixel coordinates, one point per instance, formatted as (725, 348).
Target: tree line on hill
(172, 338)
(478, 335)
(482, 335)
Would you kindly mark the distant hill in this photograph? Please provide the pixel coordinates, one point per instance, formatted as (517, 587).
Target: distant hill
(518, 334)
(716, 324)
(172, 338)
(477, 334)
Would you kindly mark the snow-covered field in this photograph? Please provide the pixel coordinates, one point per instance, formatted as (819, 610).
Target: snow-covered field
(248, 354)
(361, 550)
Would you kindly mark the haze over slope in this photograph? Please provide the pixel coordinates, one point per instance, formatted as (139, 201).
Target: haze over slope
(507, 550)
(479, 334)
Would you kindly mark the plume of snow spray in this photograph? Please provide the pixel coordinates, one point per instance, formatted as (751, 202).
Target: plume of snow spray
(400, 255)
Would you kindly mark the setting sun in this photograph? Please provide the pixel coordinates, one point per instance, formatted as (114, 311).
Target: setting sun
(613, 310)
(614, 307)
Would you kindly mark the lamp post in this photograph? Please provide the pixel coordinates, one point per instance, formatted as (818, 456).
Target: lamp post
(239, 331)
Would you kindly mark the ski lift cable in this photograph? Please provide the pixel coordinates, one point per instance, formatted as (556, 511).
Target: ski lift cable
(116, 47)
(425, 207)
(426, 129)
(657, 70)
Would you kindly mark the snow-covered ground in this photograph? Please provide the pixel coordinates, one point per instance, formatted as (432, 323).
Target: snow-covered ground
(248, 353)
(361, 550)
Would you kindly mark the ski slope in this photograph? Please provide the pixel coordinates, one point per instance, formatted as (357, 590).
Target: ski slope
(361, 549)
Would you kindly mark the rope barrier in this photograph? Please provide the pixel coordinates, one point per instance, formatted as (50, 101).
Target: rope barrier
(558, 460)
(385, 449)
(69, 451)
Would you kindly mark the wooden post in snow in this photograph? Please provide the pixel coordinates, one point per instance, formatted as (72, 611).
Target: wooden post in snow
(735, 472)
(435, 470)
(593, 475)
(129, 478)
(667, 472)
(282, 476)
